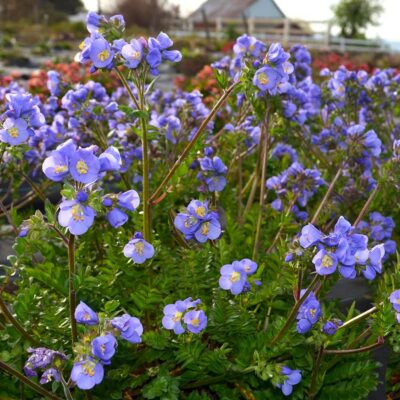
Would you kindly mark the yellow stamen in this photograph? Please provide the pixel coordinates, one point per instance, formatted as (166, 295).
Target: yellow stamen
(327, 261)
(139, 247)
(177, 317)
(201, 211)
(195, 322)
(205, 228)
(14, 132)
(102, 56)
(59, 169)
(88, 368)
(77, 215)
(82, 167)
(263, 79)
(235, 277)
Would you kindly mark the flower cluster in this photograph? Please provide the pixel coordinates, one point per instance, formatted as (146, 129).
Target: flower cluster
(234, 276)
(276, 70)
(105, 47)
(98, 350)
(127, 200)
(309, 313)
(184, 311)
(342, 249)
(49, 361)
(198, 222)
(22, 115)
(213, 172)
(297, 182)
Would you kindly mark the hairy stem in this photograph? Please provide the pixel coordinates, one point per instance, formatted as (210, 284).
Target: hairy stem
(366, 205)
(72, 290)
(363, 349)
(190, 145)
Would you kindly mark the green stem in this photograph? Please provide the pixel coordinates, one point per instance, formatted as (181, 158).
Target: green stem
(359, 317)
(294, 311)
(314, 378)
(363, 349)
(34, 386)
(190, 145)
(366, 205)
(10, 318)
(72, 290)
(64, 384)
(264, 156)
(326, 197)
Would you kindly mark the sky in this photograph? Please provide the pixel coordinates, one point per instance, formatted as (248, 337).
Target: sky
(309, 10)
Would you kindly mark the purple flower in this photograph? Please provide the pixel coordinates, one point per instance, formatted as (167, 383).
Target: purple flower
(138, 249)
(309, 313)
(41, 358)
(248, 266)
(325, 262)
(15, 131)
(87, 373)
(208, 230)
(55, 167)
(374, 263)
(395, 300)
(132, 53)
(110, 160)
(75, 216)
(173, 314)
(233, 277)
(103, 347)
(195, 320)
(292, 377)
(84, 166)
(331, 327)
(116, 217)
(310, 236)
(131, 328)
(85, 315)
(267, 79)
(198, 209)
(53, 83)
(50, 375)
(129, 200)
(100, 53)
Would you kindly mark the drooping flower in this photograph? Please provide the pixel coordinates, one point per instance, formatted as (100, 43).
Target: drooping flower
(55, 167)
(85, 315)
(395, 300)
(132, 53)
(131, 328)
(51, 374)
(41, 358)
(292, 377)
(331, 327)
(309, 313)
(103, 347)
(138, 250)
(87, 373)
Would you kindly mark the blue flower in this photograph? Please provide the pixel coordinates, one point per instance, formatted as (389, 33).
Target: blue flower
(85, 315)
(395, 300)
(233, 277)
(15, 131)
(84, 166)
(267, 79)
(75, 216)
(87, 373)
(132, 53)
(292, 377)
(55, 167)
(310, 236)
(309, 313)
(100, 53)
(195, 320)
(116, 217)
(173, 314)
(130, 328)
(51, 374)
(110, 160)
(103, 347)
(138, 250)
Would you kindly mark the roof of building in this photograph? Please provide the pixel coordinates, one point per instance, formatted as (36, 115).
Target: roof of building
(237, 8)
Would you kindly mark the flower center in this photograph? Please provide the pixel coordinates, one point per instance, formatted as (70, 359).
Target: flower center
(263, 79)
(88, 368)
(139, 247)
(77, 215)
(82, 167)
(327, 261)
(195, 322)
(235, 277)
(59, 169)
(136, 55)
(190, 222)
(205, 228)
(102, 348)
(177, 317)
(14, 132)
(313, 311)
(201, 211)
(103, 55)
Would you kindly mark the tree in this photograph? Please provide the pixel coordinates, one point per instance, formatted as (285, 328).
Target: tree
(150, 14)
(354, 16)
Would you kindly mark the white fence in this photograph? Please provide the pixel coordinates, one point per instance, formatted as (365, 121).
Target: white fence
(313, 34)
